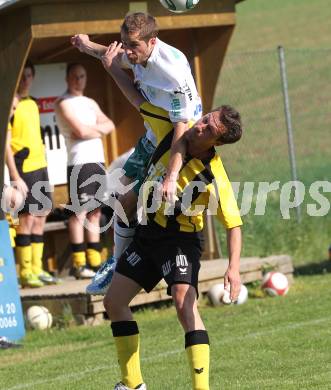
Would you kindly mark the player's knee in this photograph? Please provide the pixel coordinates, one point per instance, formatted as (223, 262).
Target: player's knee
(26, 221)
(185, 315)
(111, 307)
(184, 298)
(107, 305)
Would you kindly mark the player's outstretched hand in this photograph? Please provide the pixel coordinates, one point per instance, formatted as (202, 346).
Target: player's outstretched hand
(80, 41)
(110, 55)
(232, 280)
(169, 190)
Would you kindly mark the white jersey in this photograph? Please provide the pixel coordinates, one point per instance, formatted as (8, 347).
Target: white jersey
(167, 82)
(87, 150)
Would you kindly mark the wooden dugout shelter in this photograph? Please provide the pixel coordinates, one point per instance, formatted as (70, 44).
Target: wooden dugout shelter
(40, 30)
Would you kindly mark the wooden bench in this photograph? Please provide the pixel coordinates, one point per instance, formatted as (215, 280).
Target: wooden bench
(89, 309)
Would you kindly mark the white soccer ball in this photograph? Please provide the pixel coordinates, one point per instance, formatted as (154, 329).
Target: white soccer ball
(226, 297)
(179, 6)
(39, 317)
(215, 294)
(218, 295)
(243, 295)
(275, 283)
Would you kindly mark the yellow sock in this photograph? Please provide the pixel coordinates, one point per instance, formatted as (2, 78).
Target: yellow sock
(197, 349)
(78, 255)
(37, 257)
(24, 258)
(78, 259)
(12, 235)
(23, 254)
(93, 257)
(126, 336)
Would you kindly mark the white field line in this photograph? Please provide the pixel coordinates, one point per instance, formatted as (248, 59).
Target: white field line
(82, 373)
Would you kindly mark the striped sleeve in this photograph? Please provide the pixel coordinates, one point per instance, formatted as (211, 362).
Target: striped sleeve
(225, 204)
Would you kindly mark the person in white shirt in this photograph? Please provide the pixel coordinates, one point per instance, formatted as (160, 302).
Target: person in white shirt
(163, 75)
(83, 124)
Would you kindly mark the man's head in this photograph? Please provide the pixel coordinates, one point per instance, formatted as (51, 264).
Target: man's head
(26, 79)
(221, 126)
(138, 35)
(76, 78)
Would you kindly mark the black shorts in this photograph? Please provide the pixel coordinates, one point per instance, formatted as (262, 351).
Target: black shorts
(87, 186)
(39, 198)
(157, 254)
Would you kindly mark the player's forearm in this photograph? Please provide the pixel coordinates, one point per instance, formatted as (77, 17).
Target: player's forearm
(126, 85)
(234, 242)
(178, 151)
(86, 132)
(106, 127)
(93, 49)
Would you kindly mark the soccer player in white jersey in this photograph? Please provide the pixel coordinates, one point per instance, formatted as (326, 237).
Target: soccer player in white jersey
(162, 74)
(168, 245)
(82, 124)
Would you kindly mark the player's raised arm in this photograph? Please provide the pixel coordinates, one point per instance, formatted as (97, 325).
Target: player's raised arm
(83, 43)
(121, 78)
(177, 155)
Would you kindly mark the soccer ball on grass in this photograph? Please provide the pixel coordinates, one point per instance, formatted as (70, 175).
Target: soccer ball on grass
(39, 317)
(275, 283)
(218, 295)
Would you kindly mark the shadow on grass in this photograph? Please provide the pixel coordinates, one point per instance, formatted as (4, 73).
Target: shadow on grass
(313, 268)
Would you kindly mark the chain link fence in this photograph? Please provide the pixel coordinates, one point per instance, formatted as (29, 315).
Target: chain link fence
(252, 83)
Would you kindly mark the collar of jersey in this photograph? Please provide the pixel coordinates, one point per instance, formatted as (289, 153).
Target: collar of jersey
(155, 52)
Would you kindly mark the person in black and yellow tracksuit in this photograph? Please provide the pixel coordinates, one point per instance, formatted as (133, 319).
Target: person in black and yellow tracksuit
(168, 245)
(29, 154)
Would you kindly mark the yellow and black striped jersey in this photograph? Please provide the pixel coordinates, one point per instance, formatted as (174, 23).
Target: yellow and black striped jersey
(26, 140)
(201, 185)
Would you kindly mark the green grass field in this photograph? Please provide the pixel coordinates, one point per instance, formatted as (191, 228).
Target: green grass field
(270, 343)
(250, 80)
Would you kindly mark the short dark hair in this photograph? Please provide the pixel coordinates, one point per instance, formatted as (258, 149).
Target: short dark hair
(28, 64)
(140, 22)
(72, 65)
(231, 119)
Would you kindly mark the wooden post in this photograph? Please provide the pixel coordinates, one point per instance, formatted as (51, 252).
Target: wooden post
(15, 43)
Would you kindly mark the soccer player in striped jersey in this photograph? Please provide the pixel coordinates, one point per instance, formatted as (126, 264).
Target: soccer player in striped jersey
(169, 246)
(163, 75)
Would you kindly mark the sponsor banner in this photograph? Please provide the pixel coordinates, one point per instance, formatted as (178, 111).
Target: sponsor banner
(11, 316)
